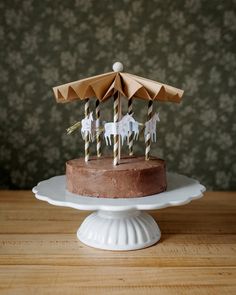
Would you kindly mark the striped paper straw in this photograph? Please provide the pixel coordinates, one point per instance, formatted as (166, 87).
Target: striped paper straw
(116, 137)
(148, 136)
(86, 145)
(98, 136)
(130, 137)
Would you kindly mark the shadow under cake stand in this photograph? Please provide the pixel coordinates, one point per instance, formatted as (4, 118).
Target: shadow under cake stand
(120, 224)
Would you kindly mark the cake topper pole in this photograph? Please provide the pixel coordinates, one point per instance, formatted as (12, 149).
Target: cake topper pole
(148, 135)
(117, 67)
(98, 132)
(119, 118)
(86, 142)
(116, 143)
(130, 137)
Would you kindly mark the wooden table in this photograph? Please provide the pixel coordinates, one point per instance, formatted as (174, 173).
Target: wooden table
(39, 252)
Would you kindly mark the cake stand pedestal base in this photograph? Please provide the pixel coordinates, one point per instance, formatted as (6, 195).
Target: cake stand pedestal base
(120, 224)
(124, 230)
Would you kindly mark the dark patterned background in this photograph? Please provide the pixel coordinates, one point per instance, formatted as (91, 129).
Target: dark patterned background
(188, 44)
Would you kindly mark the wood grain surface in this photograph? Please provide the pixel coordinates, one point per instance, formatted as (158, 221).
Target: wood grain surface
(40, 254)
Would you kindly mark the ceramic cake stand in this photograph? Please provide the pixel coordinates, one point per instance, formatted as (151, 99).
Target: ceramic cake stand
(119, 224)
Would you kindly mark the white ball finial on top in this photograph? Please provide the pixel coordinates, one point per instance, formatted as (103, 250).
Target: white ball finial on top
(117, 67)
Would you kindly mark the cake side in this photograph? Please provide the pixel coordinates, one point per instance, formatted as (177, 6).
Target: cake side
(133, 177)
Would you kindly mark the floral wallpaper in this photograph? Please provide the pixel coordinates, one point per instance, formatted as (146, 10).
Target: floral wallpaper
(188, 44)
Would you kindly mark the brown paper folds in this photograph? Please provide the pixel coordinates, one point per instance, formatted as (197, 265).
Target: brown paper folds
(106, 85)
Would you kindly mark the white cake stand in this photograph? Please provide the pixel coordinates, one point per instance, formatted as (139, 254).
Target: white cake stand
(119, 224)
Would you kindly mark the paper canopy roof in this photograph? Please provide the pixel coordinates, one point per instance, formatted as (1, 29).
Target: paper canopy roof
(104, 86)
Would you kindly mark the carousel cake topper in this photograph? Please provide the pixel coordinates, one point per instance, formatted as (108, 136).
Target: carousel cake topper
(116, 84)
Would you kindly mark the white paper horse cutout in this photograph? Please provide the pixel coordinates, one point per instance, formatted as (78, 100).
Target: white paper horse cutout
(151, 127)
(88, 127)
(123, 127)
(133, 127)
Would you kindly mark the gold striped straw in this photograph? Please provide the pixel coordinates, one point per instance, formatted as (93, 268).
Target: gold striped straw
(148, 136)
(86, 145)
(98, 136)
(130, 137)
(116, 137)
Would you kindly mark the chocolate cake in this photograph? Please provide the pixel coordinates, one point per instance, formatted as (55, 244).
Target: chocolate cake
(133, 177)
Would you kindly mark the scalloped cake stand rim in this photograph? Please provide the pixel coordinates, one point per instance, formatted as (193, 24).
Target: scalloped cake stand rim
(181, 190)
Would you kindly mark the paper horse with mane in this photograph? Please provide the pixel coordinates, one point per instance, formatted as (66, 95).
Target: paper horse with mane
(151, 127)
(126, 125)
(88, 127)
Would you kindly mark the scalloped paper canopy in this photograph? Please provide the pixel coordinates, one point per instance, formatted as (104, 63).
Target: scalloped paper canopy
(106, 85)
